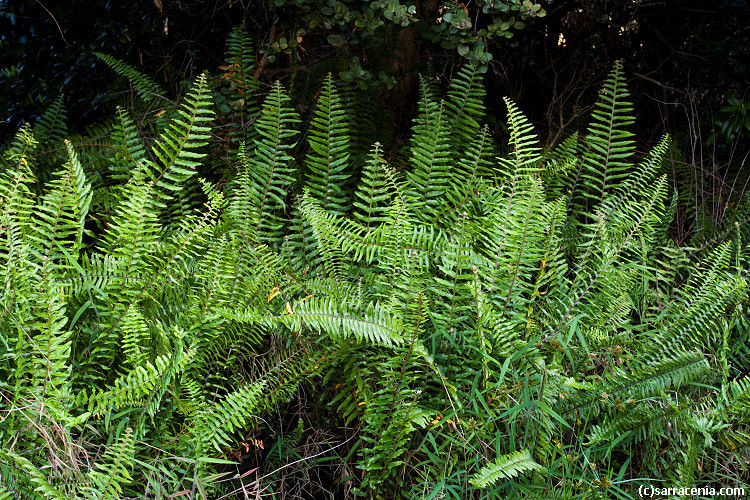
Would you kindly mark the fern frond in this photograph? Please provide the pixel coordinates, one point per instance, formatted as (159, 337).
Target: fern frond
(131, 234)
(142, 386)
(465, 104)
(26, 478)
(214, 426)
(130, 152)
(271, 168)
(50, 129)
(608, 141)
(391, 415)
(328, 158)
(525, 152)
(372, 194)
(59, 219)
(135, 334)
(16, 206)
(113, 471)
(469, 179)
(505, 467)
(430, 159)
(370, 322)
(147, 88)
(177, 150)
(241, 65)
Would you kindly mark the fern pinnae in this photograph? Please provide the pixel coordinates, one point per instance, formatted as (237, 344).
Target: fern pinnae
(17, 203)
(525, 152)
(50, 129)
(328, 157)
(177, 149)
(133, 230)
(465, 103)
(608, 140)
(272, 169)
(469, 179)
(241, 65)
(59, 218)
(650, 213)
(430, 158)
(130, 152)
(114, 470)
(506, 466)
(146, 87)
(372, 194)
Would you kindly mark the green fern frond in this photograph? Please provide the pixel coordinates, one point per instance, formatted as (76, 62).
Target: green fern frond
(643, 420)
(50, 129)
(370, 322)
(241, 65)
(59, 218)
(608, 142)
(135, 335)
(113, 471)
(132, 232)
(391, 416)
(147, 88)
(505, 467)
(177, 150)
(50, 339)
(16, 207)
(327, 161)
(130, 152)
(372, 195)
(271, 168)
(214, 426)
(469, 179)
(430, 160)
(465, 104)
(142, 386)
(525, 152)
(27, 478)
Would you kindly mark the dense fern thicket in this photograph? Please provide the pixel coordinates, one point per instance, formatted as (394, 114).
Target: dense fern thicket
(321, 322)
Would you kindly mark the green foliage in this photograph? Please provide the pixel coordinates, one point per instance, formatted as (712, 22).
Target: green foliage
(508, 466)
(445, 323)
(147, 88)
(462, 28)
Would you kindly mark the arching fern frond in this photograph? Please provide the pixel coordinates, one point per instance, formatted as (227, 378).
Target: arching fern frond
(177, 150)
(505, 467)
(147, 88)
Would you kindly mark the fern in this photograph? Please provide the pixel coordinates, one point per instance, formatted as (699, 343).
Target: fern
(147, 88)
(608, 141)
(177, 150)
(107, 481)
(270, 169)
(327, 160)
(430, 158)
(465, 104)
(418, 321)
(240, 66)
(505, 467)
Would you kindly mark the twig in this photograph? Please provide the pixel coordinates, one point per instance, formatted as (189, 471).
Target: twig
(53, 18)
